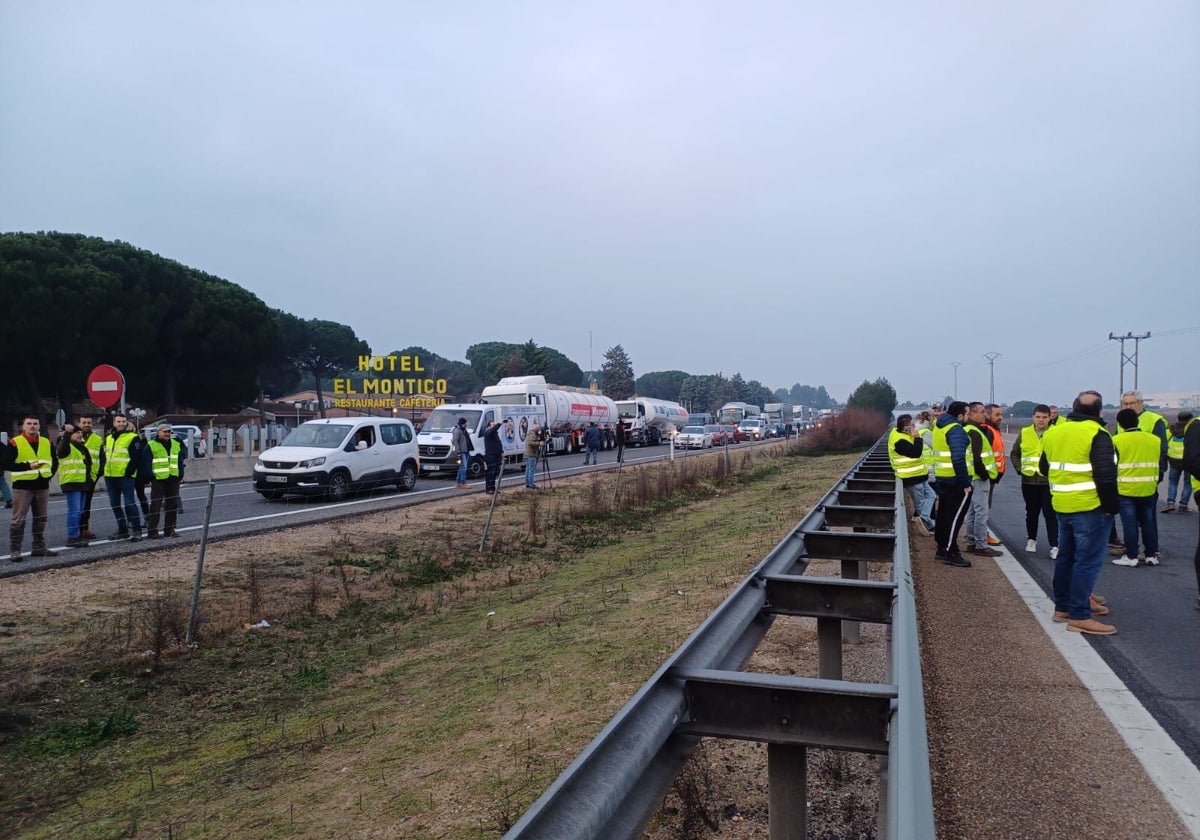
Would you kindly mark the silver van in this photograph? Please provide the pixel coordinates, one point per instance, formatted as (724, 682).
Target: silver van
(338, 456)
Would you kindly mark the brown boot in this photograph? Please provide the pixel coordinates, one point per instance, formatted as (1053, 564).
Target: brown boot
(1091, 626)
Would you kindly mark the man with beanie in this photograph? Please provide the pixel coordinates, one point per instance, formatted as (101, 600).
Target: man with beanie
(1079, 460)
(1140, 466)
(31, 460)
(950, 445)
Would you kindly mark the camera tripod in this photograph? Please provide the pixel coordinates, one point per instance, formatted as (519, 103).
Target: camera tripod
(544, 460)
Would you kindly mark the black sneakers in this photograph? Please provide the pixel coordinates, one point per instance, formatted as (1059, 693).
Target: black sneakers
(953, 558)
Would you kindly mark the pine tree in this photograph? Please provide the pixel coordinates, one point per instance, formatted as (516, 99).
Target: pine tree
(617, 372)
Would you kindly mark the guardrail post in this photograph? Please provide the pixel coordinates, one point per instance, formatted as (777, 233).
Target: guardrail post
(787, 796)
(829, 647)
(852, 570)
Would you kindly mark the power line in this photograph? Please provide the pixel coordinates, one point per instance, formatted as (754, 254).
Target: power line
(991, 360)
(1128, 359)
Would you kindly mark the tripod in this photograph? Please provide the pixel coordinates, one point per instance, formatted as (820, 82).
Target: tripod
(543, 457)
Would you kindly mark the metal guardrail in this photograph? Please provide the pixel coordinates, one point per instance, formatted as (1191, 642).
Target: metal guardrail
(613, 788)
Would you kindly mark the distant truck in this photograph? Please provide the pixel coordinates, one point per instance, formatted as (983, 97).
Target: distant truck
(735, 412)
(699, 418)
(648, 422)
(434, 439)
(568, 410)
(778, 415)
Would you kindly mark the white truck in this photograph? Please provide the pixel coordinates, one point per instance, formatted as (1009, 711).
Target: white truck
(649, 422)
(778, 417)
(434, 439)
(569, 411)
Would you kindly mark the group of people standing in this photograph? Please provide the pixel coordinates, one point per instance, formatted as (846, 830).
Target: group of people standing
(80, 458)
(1076, 476)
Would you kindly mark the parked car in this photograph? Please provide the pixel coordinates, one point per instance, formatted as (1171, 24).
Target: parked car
(755, 429)
(182, 432)
(719, 436)
(694, 437)
(337, 456)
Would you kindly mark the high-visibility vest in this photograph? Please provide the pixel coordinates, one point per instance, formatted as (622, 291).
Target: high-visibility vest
(927, 447)
(985, 451)
(1069, 453)
(94, 444)
(72, 468)
(116, 458)
(998, 450)
(1195, 480)
(26, 453)
(165, 463)
(1175, 447)
(902, 465)
(943, 464)
(1031, 451)
(1137, 462)
(1147, 420)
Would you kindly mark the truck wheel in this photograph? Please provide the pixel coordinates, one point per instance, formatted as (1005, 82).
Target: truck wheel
(339, 487)
(476, 468)
(408, 478)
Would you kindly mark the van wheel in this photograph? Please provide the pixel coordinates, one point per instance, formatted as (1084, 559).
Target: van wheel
(339, 487)
(408, 478)
(476, 468)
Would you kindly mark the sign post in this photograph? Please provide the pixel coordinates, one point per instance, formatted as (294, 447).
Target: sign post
(106, 386)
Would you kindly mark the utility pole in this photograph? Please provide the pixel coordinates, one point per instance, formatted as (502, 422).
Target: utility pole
(1128, 358)
(991, 358)
(955, 366)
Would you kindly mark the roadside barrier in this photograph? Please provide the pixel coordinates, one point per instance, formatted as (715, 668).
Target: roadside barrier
(613, 788)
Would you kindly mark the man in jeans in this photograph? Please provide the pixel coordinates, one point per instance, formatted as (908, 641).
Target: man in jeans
(1140, 466)
(460, 440)
(981, 464)
(1078, 458)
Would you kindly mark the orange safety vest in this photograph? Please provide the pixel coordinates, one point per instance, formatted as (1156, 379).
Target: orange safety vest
(998, 449)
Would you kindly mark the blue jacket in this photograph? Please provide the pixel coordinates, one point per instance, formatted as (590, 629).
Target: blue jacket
(592, 438)
(959, 443)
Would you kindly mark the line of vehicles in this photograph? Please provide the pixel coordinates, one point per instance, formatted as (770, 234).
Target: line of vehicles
(336, 456)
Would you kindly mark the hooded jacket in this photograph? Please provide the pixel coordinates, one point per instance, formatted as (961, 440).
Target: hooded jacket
(959, 443)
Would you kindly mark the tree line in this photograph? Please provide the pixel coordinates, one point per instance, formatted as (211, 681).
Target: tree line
(185, 339)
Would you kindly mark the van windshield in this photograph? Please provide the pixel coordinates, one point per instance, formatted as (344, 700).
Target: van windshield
(320, 435)
(444, 420)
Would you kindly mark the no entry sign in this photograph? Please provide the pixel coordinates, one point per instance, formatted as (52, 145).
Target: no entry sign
(105, 386)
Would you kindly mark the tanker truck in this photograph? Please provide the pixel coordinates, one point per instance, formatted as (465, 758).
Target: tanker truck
(568, 411)
(648, 422)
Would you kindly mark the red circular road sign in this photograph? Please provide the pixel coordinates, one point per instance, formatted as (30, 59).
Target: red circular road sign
(105, 386)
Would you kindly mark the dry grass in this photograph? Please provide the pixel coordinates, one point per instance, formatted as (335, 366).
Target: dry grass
(409, 685)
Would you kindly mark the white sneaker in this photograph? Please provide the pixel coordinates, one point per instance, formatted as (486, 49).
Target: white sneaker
(1152, 559)
(1054, 553)
(1125, 561)
(1031, 546)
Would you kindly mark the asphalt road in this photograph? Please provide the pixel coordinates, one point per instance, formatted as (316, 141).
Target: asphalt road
(1153, 609)
(238, 510)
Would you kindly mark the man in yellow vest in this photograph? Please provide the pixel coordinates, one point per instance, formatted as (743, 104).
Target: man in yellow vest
(31, 460)
(1025, 456)
(1191, 463)
(161, 462)
(1079, 460)
(94, 444)
(1140, 466)
(122, 453)
(1176, 474)
(950, 447)
(981, 464)
(905, 452)
(1150, 422)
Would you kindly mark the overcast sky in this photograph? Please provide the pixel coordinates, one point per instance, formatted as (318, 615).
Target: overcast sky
(803, 192)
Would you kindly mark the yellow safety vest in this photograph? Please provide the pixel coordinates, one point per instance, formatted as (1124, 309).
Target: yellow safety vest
(985, 451)
(94, 444)
(1175, 448)
(902, 465)
(116, 460)
(25, 454)
(1137, 462)
(1031, 450)
(166, 460)
(72, 468)
(1069, 453)
(943, 464)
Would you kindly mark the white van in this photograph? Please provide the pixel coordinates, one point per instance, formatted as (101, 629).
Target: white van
(337, 456)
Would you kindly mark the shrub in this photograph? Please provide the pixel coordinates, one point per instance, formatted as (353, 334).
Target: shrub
(854, 428)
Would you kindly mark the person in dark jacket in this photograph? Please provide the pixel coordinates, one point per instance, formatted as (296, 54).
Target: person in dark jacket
(162, 465)
(591, 440)
(493, 453)
(74, 479)
(1080, 462)
(906, 443)
(31, 460)
(953, 481)
(1191, 463)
